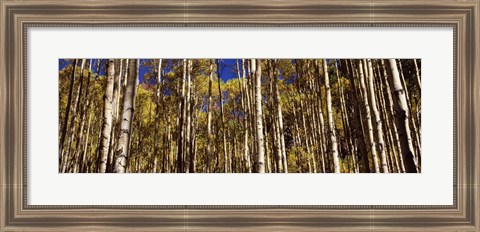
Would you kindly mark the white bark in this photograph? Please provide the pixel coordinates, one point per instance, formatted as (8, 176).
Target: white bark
(378, 120)
(331, 123)
(63, 132)
(107, 118)
(278, 103)
(157, 115)
(220, 99)
(366, 104)
(209, 118)
(123, 147)
(417, 74)
(73, 129)
(402, 117)
(256, 68)
(181, 118)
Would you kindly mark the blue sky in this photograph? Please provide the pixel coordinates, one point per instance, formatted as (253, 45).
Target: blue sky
(227, 73)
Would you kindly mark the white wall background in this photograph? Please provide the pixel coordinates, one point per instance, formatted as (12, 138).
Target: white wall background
(434, 186)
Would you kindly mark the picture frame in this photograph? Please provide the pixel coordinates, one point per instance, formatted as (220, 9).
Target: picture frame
(17, 16)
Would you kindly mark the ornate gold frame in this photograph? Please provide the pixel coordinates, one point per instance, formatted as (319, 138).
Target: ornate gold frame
(17, 16)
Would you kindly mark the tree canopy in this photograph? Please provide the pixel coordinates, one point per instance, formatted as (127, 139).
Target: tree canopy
(239, 115)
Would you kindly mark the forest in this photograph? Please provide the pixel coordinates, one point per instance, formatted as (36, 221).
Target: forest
(239, 116)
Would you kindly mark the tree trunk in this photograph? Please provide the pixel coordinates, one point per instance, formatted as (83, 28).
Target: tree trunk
(358, 120)
(369, 117)
(345, 119)
(417, 74)
(385, 104)
(256, 68)
(67, 115)
(278, 103)
(107, 119)
(209, 118)
(331, 123)
(246, 112)
(180, 133)
(158, 98)
(191, 120)
(123, 147)
(115, 103)
(391, 114)
(85, 149)
(323, 142)
(72, 130)
(401, 117)
(83, 113)
(378, 120)
(220, 99)
(412, 118)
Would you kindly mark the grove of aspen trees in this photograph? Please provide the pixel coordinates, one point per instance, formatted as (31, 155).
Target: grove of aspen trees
(239, 116)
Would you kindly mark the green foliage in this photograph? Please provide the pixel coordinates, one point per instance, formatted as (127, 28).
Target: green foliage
(303, 103)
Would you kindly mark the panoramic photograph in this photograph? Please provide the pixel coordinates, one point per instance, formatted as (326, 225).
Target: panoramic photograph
(239, 115)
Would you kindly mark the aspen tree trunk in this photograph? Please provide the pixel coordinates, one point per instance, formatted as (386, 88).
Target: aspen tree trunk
(331, 123)
(323, 141)
(378, 120)
(313, 106)
(276, 146)
(233, 157)
(188, 116)
(345, 119)
(381, 108)
(220, 99)
(296, 140)
(118, 89)
(392, 113)
(85, 149)
(369, 117)
(209, 118)
(115, 103)
(242, 107)
(91, 164)
(125, 77)
(246, 112)
(278, 103)
(358, 121)
(180, 120)
(191, 120)
(417, 75)
(272, 125)
(391, 143)
(83, 112)
(107, 118)
(250, 113)
(193, 147)
(253, 115)
(413, 120)
(138, 145)
(299, 68)
(168, 141)
(157, 114)
(250, 132)
(123, 147)
(266, 144)
(256, 68)
(67, 115)
(305, 131)
(402, 117)
(311, 138)
(310, 117)
(72, 130)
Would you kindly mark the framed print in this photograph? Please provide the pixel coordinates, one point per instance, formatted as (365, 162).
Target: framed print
(239, 116)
